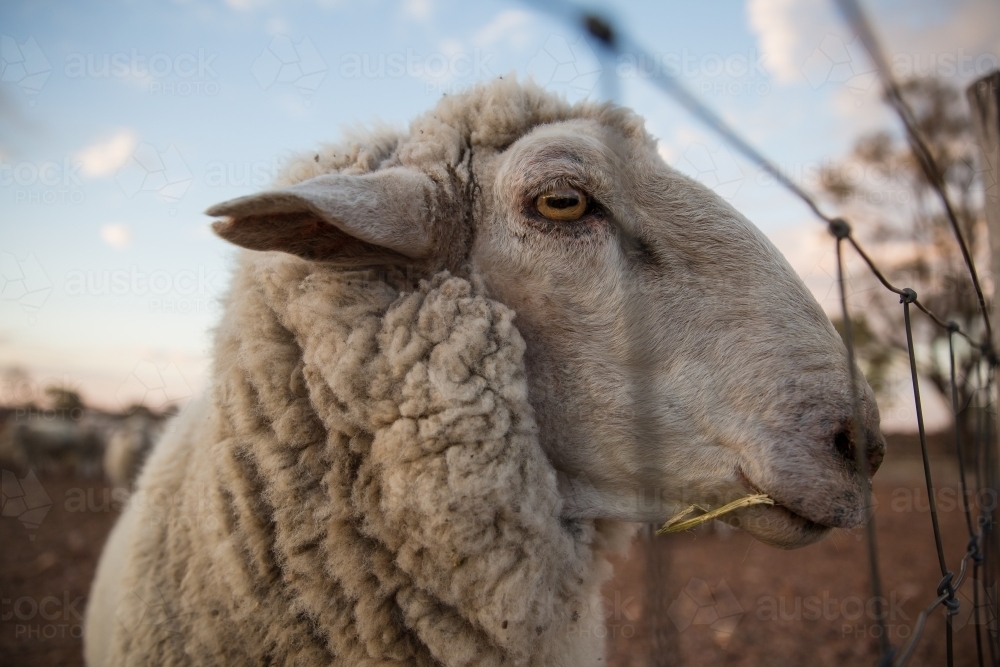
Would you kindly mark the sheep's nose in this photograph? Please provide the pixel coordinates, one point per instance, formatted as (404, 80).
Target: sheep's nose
(875, 447)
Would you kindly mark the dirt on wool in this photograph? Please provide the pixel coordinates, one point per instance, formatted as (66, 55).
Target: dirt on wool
(712, 596)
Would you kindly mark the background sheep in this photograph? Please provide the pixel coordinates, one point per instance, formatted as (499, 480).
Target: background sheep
(128, 446)
(387, 470)
(54, 440)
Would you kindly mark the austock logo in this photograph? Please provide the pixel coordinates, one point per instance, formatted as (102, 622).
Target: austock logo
(836, 61)
(181, 291)
(716, 169)
(712, 606)
(25, 500)
(566, 67)
(154, 387)
(23, 64)
(283, 61)
(860, 618)
(971, 614)
(184, 74)
(731, 73)
(47, 182)
(27, 611)
(161, 172)
(144, 604)
(24, 281)
(984, 167)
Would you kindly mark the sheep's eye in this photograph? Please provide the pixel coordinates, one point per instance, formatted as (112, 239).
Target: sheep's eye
(563, 204)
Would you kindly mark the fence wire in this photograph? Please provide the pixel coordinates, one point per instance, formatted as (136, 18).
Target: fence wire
(982, 548)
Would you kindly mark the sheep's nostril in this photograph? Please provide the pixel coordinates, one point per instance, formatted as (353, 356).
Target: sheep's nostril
(876, 451)
(844, 446)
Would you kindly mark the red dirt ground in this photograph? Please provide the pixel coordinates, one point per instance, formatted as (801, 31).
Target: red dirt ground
(723, 599)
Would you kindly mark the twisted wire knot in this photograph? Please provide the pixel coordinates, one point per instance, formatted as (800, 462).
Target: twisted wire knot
(951, 603)
(839, 228)
(907, 295)
(973, 547)
(599, 29)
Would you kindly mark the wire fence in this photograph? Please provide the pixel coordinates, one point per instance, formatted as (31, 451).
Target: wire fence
(983, 549)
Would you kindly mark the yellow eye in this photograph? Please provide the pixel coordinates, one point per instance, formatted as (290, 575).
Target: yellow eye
(564, 204)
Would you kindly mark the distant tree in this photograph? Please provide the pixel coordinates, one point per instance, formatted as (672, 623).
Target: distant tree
(64, 400)
(884, 193)
(16, 387)
(140, 410)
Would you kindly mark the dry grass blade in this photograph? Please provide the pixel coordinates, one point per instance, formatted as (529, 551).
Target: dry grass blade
(675, 525)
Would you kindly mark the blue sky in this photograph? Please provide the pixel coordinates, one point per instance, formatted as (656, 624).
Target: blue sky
(120, 122)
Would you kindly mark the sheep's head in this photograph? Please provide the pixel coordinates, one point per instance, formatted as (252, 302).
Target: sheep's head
(673, 357)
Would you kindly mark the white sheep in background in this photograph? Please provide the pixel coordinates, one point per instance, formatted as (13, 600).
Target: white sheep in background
(129, 443)
(471, 352)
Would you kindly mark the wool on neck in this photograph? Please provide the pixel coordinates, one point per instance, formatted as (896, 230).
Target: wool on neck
(376, 485)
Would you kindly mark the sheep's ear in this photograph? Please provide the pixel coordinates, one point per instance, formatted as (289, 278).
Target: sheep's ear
(336, 217)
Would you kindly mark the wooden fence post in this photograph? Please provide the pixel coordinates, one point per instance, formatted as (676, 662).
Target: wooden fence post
(664, 644)
(984, 102)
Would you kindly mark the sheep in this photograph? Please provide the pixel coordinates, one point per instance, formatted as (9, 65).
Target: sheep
(128, 446)
(456, 367)
(51, 444)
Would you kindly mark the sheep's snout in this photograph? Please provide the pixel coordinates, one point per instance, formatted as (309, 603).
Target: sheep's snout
(811, 466)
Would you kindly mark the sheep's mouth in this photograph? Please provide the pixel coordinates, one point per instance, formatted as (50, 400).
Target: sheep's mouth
(776, 524)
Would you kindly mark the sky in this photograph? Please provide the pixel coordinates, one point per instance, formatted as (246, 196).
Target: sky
(121, 122)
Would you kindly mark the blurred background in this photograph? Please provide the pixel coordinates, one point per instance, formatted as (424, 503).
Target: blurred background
(120, 122)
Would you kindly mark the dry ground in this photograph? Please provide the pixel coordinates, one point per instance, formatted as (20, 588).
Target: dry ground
(721, 598)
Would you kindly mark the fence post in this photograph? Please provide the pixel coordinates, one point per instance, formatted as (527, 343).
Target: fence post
(663, 644)
(984, 103)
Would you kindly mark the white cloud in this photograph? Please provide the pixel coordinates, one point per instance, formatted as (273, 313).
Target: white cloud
(788, 31)
(863, 113)
(246, 5)
(278, 25)
(451, 47)
(418, 9)
(106, 157)
(253, 5)
(808, 40)
(116, 235)
(510, 24)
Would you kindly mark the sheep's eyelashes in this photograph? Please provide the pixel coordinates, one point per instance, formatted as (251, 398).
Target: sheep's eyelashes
(562, 204)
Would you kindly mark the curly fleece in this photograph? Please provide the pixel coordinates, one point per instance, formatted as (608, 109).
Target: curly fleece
(366, 488)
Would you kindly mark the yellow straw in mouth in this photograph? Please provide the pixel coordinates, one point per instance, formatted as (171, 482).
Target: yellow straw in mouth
(675, 525)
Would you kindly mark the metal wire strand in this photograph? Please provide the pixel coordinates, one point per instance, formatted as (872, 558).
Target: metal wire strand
(956, 411)
(989, 537)
(932, 503)
(861, 458)
(862, 28)
(978, 559)
(949, 326)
